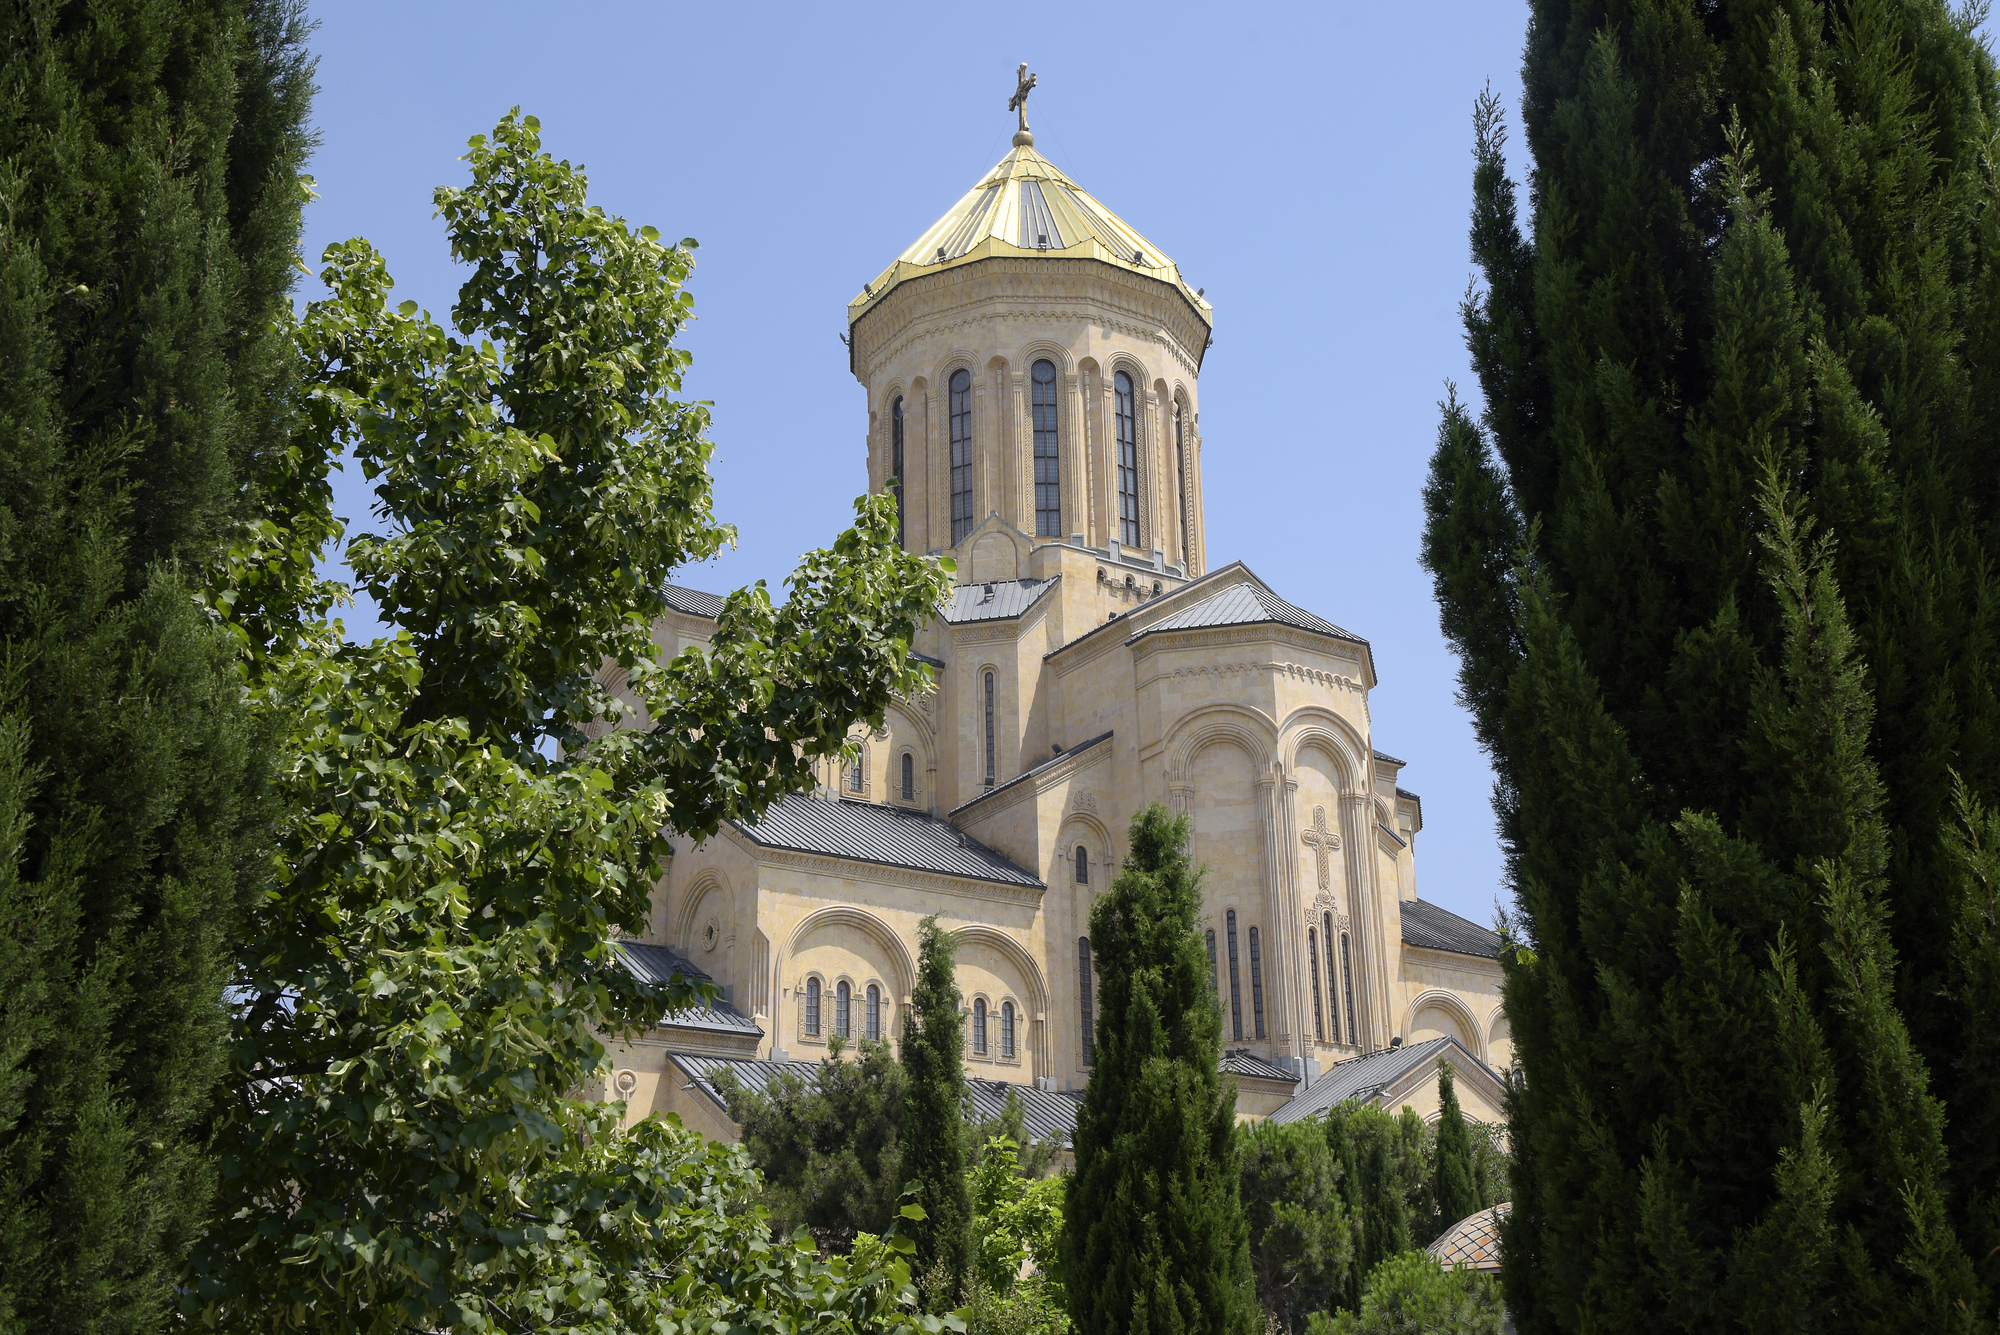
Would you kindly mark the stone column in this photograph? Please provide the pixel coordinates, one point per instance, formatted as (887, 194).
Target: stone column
(1298, 985)
(986, 412)
(1151, 530)
(1075, 476)
(1020, 453)
(937, 473)
(1370, 989)
(1277, 995)
(1106, 455)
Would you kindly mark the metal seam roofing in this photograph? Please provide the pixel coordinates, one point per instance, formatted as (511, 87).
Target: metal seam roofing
(693, 602)
(995, 600)
(884, 835)
(1361, 1078)
(1436, 928)
(1025, 775)
(658, 964)
(1245, 605)
(1246, 1063)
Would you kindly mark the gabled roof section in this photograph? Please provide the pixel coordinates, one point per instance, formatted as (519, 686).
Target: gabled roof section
(693, 602)
(1243, 1062)
(1435, 928)
(659, 965)
(1025, 775)
(995, 601)
(1024, 206)
(883, 835)
(1247, 605)
(1045, 1116)
(1360, 1079)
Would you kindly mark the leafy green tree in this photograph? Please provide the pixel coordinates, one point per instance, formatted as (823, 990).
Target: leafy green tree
(1302, 1238)
(1410, 1294)
(1455, 1185)
(934, 1149)
(150, 159)
(1154, 1235)
(829, 1149)
(1016, 1220)
(424, 984)
(1716, 563)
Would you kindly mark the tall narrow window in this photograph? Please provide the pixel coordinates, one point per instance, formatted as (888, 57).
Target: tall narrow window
(1007, 1031)
(1128, 460)
(1082, 865)
(989, 730)
(874, 1014)
(1257, 981)
(843, 1010)
(1048, 464)
(1332, 980)
(909, 777)
(857, 776)
(812, 1008)
(1235, 983)
(896, 462)
(1312, 967)
(1347, 990)
(1180, 472)
(1083, 991)
(1213, 980)
(979, 1027)
(961, 455)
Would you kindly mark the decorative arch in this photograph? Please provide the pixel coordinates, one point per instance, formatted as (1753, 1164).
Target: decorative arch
(1452, 1004)
(1080, 827)
(846, 915)
(708, 881)
(1314, 725)
(979, 934)
(1250, 728)
(1040, 349)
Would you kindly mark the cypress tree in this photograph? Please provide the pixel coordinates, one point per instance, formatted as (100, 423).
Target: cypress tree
(933, 1058)
(1154, 1235)
(1716, 563)
(149, 165)
(1454, 1187)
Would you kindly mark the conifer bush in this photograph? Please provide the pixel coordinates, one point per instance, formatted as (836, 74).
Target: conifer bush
(1154, 1235)
(1716, 557)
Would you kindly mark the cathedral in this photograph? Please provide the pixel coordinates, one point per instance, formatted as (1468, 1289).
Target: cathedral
(1032, 367)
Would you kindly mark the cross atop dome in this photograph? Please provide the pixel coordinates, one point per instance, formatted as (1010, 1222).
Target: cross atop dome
(1024, 83)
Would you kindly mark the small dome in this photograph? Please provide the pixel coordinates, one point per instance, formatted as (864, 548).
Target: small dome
(1025, 206)
(1473, 1242)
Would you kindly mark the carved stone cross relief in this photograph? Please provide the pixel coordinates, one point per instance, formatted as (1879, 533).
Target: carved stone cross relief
(1324, 843)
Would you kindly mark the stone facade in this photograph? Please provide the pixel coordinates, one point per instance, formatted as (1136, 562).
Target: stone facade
(1080, 675)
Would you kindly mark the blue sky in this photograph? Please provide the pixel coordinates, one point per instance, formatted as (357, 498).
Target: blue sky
(1309, 166)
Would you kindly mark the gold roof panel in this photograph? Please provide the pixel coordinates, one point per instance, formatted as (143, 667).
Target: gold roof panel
(1024, 206)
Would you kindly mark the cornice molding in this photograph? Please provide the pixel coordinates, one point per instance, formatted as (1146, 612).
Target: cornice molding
(882, 873)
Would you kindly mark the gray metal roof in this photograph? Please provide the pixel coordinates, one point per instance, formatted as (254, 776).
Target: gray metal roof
(1246, 605)
(692, 601)
(996, 601)
(1435, 928)
(1360, 1079)
(1241, 1061)
(1384, 755)
(884, 835)
(658, 964)
(1044, 1116)
(1055, 759)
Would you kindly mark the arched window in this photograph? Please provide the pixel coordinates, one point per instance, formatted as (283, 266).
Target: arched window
(1128, 460)
(1235, 983)
(874, 1014)
(1257, 981)
(896, 462)
(1347, 990)
(811, 1023)
(1007, 1030)
(857, 773)
(1332, 980)
(1048, 462)
(1083, 991)
(1082, 865)
(1312, 967)
(843, 1010)
(979, 1027)
(1180, 472)
(961, 455)
(989, 730)
(909, 777)
(1213, 981)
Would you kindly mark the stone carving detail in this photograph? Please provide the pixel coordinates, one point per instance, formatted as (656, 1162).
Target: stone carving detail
(1083, 800)
(1324, 843)
(1294, 670)
(626, 1082)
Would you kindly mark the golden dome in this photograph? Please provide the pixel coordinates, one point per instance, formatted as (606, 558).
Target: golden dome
(1025, 206)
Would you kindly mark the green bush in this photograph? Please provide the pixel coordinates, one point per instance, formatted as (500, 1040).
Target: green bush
(1410, 1294)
